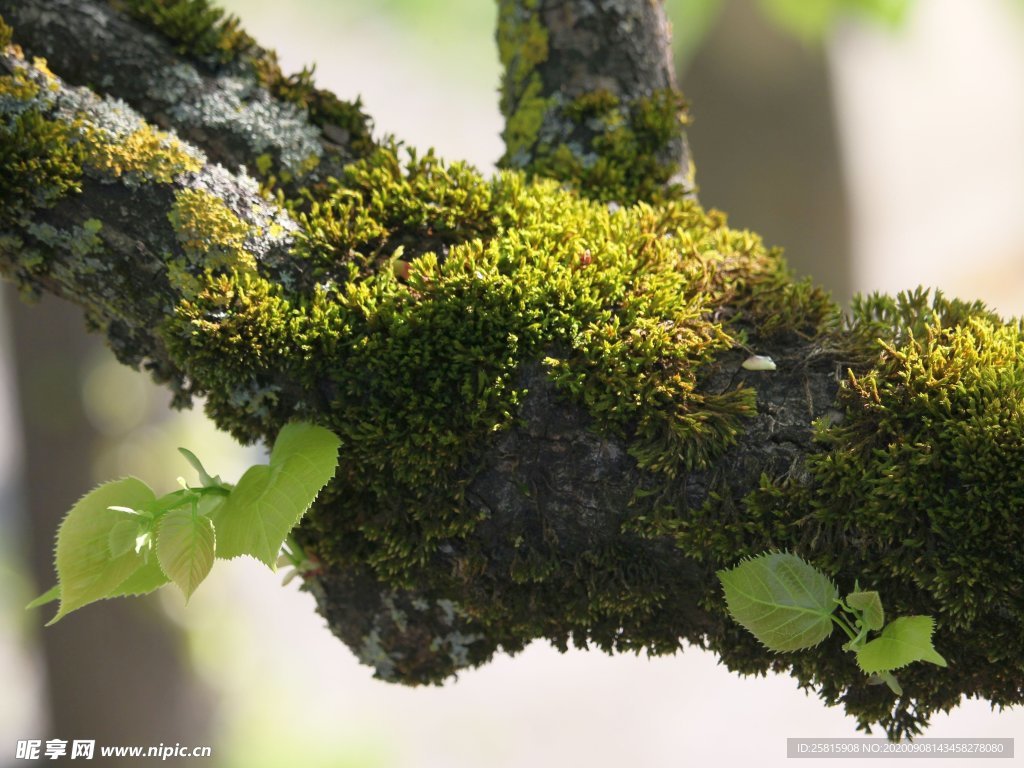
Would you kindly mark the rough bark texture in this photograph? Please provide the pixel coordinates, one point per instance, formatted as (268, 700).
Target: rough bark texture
(547, 428)
(236, 119)
(127, 293)
(590, 88)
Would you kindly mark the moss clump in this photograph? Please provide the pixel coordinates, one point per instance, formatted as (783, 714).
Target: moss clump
(40, 159)
(522, 47)
(196, 26)
(416, 371)
(917, 492)
(382, 211)
(627, 156)
(40, 162)
(608, 149)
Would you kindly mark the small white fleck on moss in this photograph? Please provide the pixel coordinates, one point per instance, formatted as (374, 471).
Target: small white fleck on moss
(759, 363)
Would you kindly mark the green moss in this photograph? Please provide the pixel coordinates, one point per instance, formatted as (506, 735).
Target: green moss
(609, 150)
(196, 26)
(627, 155)
(522, 47)
(917, 491)
(40, 159)
(380, 211)
(415, 368)
(523, 124)
(6, 34)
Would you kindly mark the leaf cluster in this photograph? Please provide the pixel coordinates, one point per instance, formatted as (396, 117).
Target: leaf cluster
(120, 539)
(790, 605)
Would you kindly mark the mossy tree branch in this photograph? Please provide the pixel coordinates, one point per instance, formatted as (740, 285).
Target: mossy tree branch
(589, 97)
(207, 81)
(547, 428)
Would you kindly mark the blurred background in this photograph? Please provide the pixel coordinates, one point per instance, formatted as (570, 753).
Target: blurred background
(878, 141)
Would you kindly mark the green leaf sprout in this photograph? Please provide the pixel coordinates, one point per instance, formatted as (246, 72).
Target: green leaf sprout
(121, 540)
(789, 605)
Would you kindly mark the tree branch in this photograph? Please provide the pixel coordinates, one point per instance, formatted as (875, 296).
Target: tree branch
(148, 220)
(547, 428)
(235, 105)
(589, 97)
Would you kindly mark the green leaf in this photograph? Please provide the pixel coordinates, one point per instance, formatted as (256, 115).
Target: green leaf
(124, 536)
(783, 600)
(889, 679)
(270, 499)
(903, 641)
(185, 545)
(53, 593)
(204, 477)
(148, 578)
(86, 571)
(870, 605)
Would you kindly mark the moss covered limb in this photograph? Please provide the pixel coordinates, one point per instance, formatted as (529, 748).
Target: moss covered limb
(589, 97)
(186, 66)
(547, 427)
(105, 210)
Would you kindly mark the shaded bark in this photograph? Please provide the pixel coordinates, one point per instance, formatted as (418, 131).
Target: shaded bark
(225, 108)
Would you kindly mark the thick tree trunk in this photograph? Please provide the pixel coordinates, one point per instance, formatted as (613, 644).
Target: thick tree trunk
(547, 426)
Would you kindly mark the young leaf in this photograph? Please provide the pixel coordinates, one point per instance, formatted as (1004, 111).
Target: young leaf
(889, 679)
(204, 477)
(269, 499)
(86, 571)
(784, 601)
(870, 606)
(124, 536)
(184, 547)
(53, 593)
(903, 641)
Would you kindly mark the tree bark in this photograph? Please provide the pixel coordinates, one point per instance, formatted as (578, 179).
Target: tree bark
(611, 449)
(589, 89)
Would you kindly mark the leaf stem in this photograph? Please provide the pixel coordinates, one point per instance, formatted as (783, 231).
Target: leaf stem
(841, 622)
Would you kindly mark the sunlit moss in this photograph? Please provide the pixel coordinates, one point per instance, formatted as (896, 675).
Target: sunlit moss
(197, 26)
(415, 368)
(628, 153)
(40, 158)
(145, 153)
